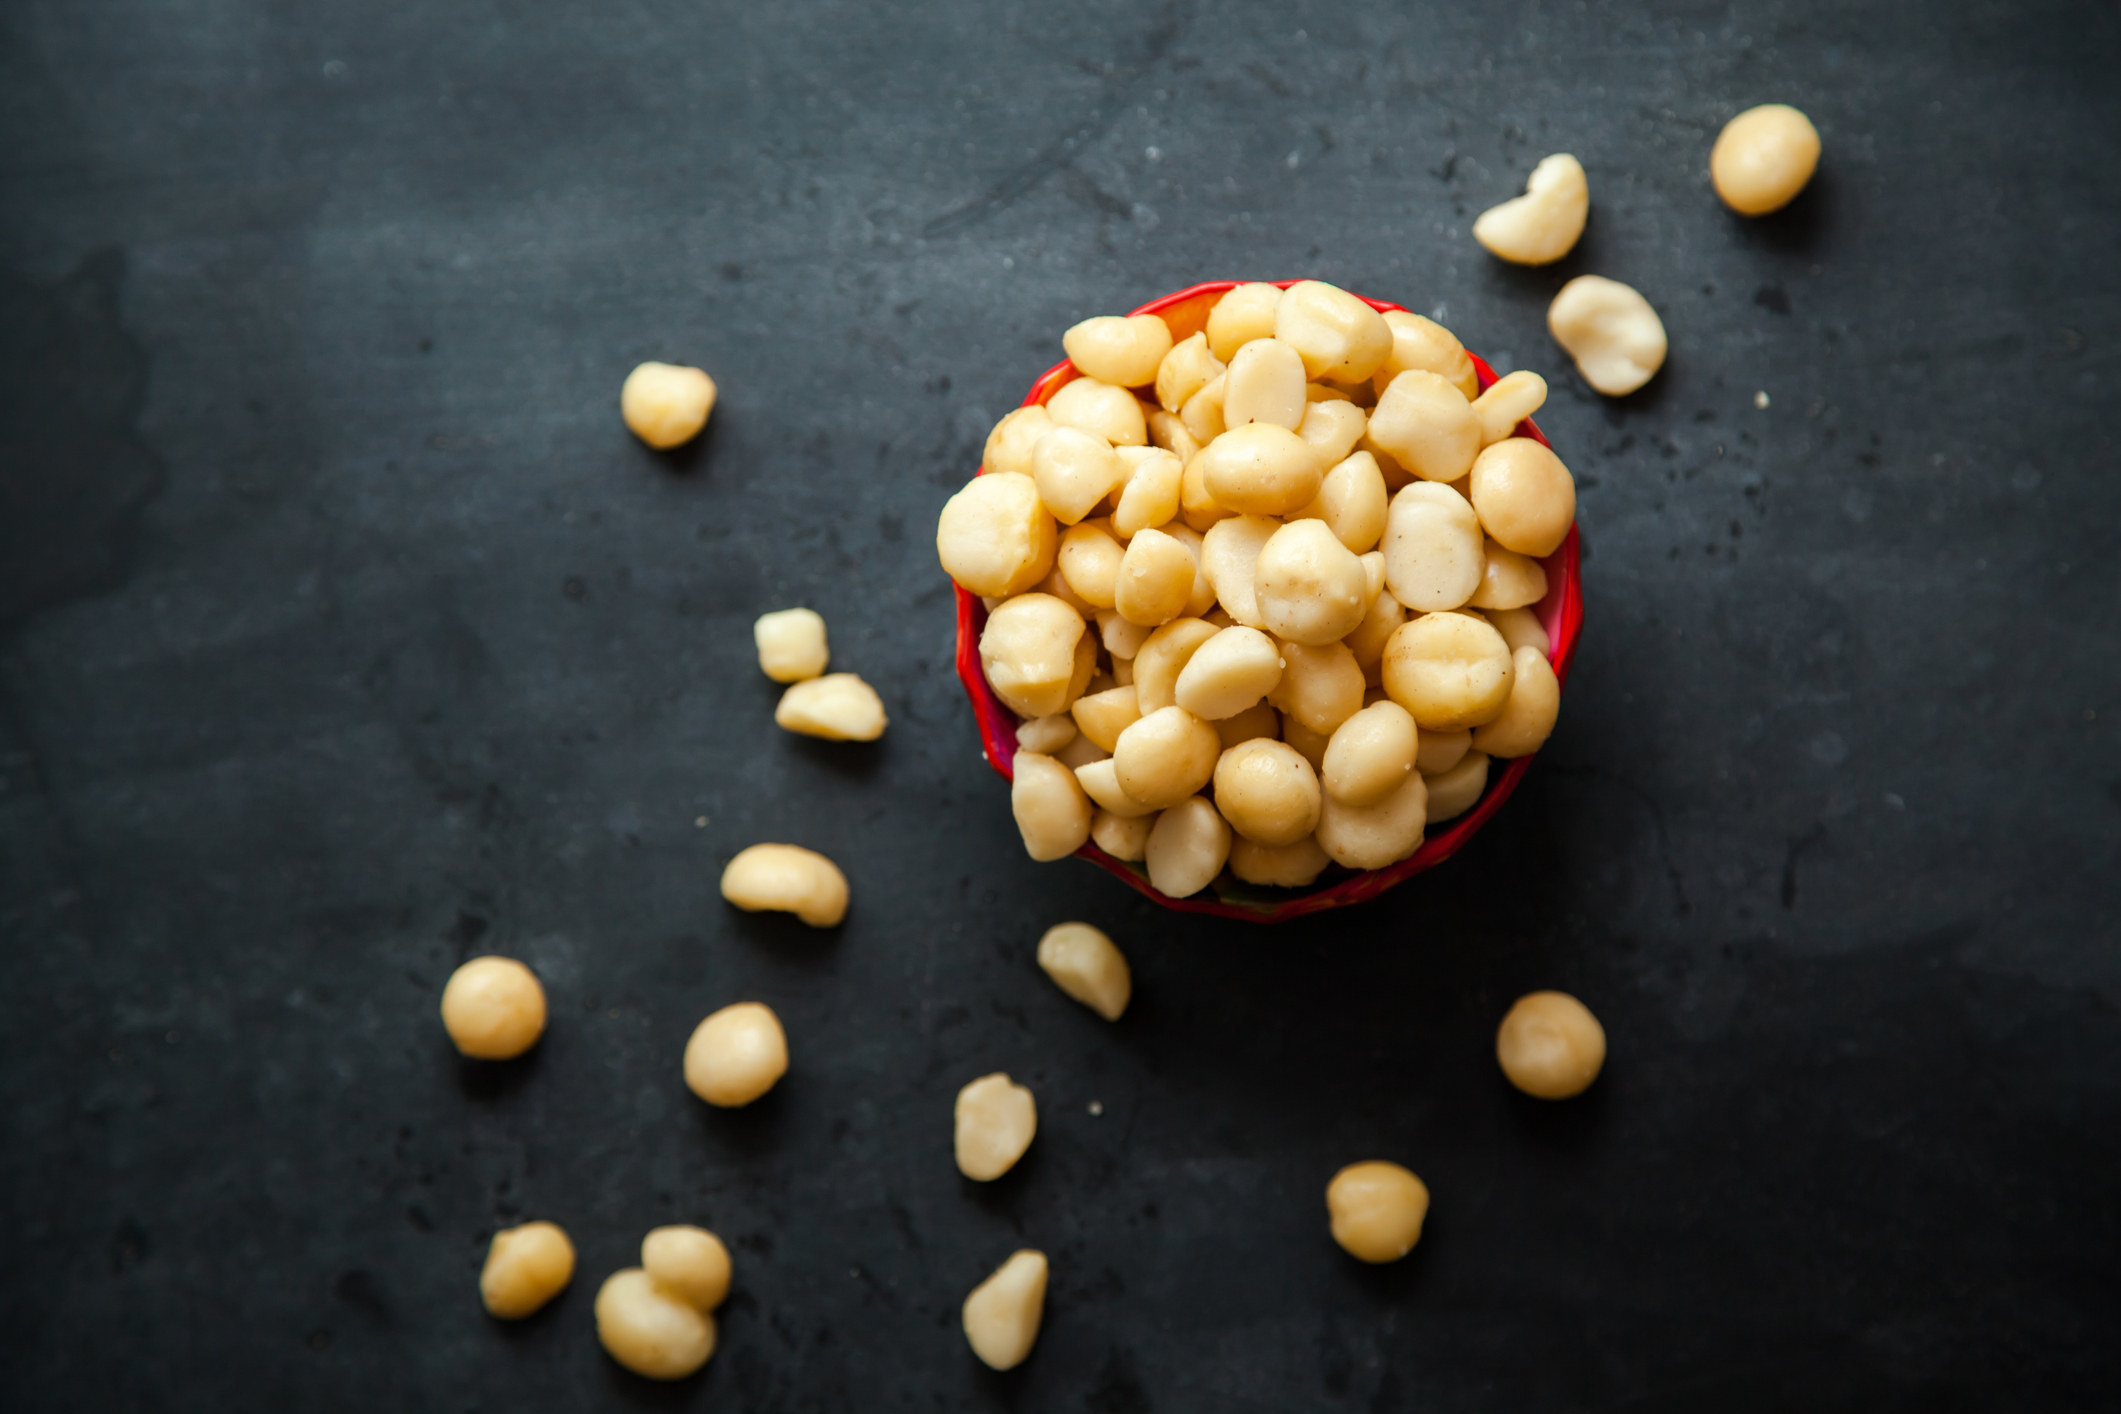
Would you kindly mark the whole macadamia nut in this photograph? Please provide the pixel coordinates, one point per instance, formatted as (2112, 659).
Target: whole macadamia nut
(650, 1329)
(791, 644)
(736, 1055)
(689, 1261)
(1187, 848)
(1524, 497)
(1763, 158)
(1448, 671)
(1267, 791)
(1377, 1209)
(526, 1267)
(1121, 351)
(1052, 812)
(1085, 963)
(995, 537)
(1308, 587)
(494, 1009)
(1550, 1046)
(665, 404)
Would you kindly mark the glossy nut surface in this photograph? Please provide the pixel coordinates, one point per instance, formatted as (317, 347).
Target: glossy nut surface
(1763, 158)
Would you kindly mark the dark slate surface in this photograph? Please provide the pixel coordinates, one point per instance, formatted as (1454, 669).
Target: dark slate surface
(347, 634)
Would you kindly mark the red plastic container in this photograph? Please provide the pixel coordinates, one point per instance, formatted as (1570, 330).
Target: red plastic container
(1561, 612)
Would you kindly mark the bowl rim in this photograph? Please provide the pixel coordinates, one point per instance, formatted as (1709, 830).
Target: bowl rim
(1561, 613)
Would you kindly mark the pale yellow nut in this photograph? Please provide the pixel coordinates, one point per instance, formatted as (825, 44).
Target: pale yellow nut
(1202, 416)
(1202, 599)
(1368, 639)
(1617, 340)
(1187, 848)
(1123, 672)
(1508, 401)
(1046, 735)
(1240, 316)
(1261, 469)
(1057, 585)
(666, 404)
(494, 1009)
(1453, 792)
(1086, 964)
(995, 537)
(1165, 757)
(1524, 496)
(736, 1055)
(1508, 580)
(1124, 837)
(1267, 791)
(1119, 350)
(1308, 587)
(1321, 686)
(1074, 471)
(1089, 561)
(1100, 781)
(1370, 755)
(1168, 431)
(1102, 716)
(1080, 753)
(1163, 657)
(791, 644)
(1449, 671)
(690, 1262)
(1545, 223)
(650, 1329)
(1527, 718)
(1519, 627)
(1002, 1314)
(1184, 371)
(1121, 636)
(1330, 392)
(786, 878)
(1150, 496)
(1374, 836)
(1550, 1046)
(1198, 509)
(996, 1118)
(1258, 720)
(1028, 652)
(1438, 751)
(1333, 428)
(1309, 744)
(1426, 425)
(1101, 409)
(1265, 384)
(1376, 1210)
(525, 1267)
(1338, 335)
(1763, 158)
(1282, 866)
(1433, 548)
(837, 707)
(1419, 343)
(1352, 502)
(1052, 813)
(1229, 556)
(1010, 444)
(1228, 674)
(1154, 581)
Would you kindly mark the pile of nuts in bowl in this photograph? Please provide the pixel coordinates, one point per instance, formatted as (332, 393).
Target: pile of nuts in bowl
(1261, 596)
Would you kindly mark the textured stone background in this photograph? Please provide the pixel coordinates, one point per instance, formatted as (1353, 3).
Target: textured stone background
(344, 633)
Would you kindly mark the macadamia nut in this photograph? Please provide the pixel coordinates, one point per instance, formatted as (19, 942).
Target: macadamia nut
(666, 404)
(1449, 671)
(1550, 1046)
(787, 878)
(1154, 581)
(1124, 837)
(1240, 316)
(1163, 656)
(1377, 1209)
(1425, 344)
(1125, 351)
(1432, 547)
(526, 1267)
(1374, 836)
(1187, 369)
(1524, 497)
(1052, 812)
(1370, 755)
(1001, 1316)
(650, 1329)
(1452, 792)
(1763, 158)
(1426, 425)
(1509, 401)
(1107, 412)
(688, 1261)
(996, 1118)
(1165, 757)
(837, 707)
(736, 1055)
(1088, 966)
(1229, 673)
(1150, 496)
(1074, 470)
(1338, 335)
(1285, 866)
(1527, 717)
(1187, 848)
(493, 1008)
(1046, 735)
(1307, 586)
(1028, 650)
(1320, 687)
(1610, 330)
(1010, 444)
(995, 537)
(1261, 469)
(1265, 384)
(1544, 224)
(1351, 501)
(1267, 791)
(791, 644)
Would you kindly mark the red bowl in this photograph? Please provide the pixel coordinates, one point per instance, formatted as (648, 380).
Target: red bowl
(1561, 612)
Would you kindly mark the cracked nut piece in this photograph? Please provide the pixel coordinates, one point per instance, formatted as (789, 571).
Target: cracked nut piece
(1002, 1314)
(837, 707)
(1617, 340)
(1544, 224)
(1377, 1209)
(786, 878)
(996, 1119)
(1086, 964)
(666, 404)
(525, 1267)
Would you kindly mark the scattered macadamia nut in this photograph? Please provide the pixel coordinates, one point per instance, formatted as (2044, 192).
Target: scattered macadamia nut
(689, 1261)
(1545, 223)
(1377, 1209)
(1763, 158)
(666, 404)
(651, 1329)
(1002, 1314)
(493, 1008)
(1125, 352)
(1617, 340)
(791, 644)
(1550, 1046)
(736, 1055)
(837, 707)
(1052, 812)
(526, 1267)
(996, 1119)
(1086, 964)
(787, 878)
(1187, 848)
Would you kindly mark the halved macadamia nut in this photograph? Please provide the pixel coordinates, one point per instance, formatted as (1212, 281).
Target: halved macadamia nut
(1124, 837)
(996, 1118)
(1425, 344)
(787, 878)
(1187, 369)
(1052, 812)
(1001, 1316)
(1163, 656)
(791, 644)
(1010, 444)
(1376, 835)
(1507, 402)
(1617, 340)
(1089, 560)
(1544, 224)
(1086, 964)
(1508, 580)
(1519, 627)
(837, 707)
(1187, 848)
